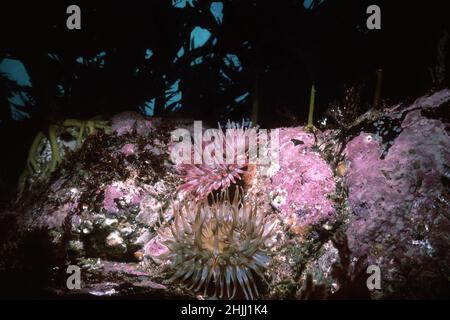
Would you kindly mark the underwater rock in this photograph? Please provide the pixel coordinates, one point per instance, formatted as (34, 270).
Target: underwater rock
(400, 202)
(105, 207)
(101, 205)
(127, 122)
(301, 187)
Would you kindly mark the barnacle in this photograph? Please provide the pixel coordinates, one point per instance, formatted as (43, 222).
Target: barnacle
(219, 245)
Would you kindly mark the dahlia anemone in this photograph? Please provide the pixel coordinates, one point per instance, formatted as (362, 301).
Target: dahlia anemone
(222, 242)
(227, 168)
(201, 180)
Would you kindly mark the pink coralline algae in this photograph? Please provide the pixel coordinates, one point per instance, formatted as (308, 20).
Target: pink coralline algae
(127, 122)
(128, 149)
(155, 248)
(400, 203)
(121, 192)
(300, 189)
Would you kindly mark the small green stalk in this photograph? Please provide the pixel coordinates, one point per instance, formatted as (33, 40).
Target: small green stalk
(378, 86)
(311, 107)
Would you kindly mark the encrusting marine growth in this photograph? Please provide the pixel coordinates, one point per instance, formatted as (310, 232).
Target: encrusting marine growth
(219, 245)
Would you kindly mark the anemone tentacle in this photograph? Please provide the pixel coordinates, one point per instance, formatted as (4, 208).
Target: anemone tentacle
(219, 245)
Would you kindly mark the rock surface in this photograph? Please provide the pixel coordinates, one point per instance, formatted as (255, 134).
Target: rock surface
(386, 203)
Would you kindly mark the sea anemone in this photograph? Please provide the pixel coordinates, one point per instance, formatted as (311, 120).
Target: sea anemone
(200, 180)
(219, 245)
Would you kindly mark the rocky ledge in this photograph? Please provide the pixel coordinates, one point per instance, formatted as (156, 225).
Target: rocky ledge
(339, 201)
